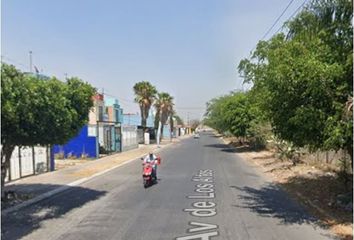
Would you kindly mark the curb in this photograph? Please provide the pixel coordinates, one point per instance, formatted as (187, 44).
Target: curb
(72, 184)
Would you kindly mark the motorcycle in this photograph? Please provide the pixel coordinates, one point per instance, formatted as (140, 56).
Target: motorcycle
(148, 177)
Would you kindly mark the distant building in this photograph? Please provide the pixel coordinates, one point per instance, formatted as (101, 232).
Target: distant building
(134, 119)
(113, 110)
(104, 133)
(37, 75)
(97, 112)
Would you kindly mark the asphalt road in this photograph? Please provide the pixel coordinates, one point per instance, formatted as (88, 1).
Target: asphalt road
(204, 192)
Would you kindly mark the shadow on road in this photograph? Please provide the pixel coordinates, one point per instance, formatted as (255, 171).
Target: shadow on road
(217, 145)
(214, 136)
(271, 201)
(20, 223)
(228, 148)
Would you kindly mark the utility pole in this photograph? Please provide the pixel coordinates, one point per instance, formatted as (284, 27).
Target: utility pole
(159, 131)
(30, 60)
(159, 134)
(188, 122)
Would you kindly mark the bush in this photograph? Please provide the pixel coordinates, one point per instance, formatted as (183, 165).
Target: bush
(286, 150)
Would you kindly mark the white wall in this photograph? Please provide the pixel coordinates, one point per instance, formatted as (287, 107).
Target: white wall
(129, 138)
(24, 165)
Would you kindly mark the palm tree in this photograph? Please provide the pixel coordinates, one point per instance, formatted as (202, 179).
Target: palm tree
(145, 94)
(164, 108)
(172, 114)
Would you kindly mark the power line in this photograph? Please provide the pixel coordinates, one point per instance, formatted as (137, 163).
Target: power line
(276, 21)
(13, 61)
(25, 66)
(291, 16)
(134, 103)
(123, 100)
(119, 98)
(191, 108)
(190, 113)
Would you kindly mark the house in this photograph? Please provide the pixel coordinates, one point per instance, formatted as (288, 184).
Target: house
(86, 143)
(101, 135)
(134, 119)
(104, 133)
(110, 129)
(113, 109)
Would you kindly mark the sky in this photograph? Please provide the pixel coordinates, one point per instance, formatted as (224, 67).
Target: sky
(188, 48)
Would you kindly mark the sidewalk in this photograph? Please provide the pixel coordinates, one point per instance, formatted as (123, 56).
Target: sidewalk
(36, 188)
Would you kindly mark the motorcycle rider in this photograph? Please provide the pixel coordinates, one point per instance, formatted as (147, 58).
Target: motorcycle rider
(152, 159)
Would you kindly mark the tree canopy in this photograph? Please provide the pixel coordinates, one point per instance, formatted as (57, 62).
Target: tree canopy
(305, 77)
(36, 111)
(301, 81)
(230, 113)
(145, 94)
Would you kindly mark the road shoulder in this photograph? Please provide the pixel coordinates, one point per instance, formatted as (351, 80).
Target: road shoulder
(313, 188)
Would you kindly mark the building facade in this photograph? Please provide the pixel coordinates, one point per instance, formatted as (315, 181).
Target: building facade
(102, 134)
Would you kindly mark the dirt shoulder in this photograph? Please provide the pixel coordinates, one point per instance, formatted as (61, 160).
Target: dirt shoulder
(318, 189)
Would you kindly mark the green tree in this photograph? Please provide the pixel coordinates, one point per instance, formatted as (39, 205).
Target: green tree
(13, 99)
(145, 94)
(237, 114)
(44, 112)
(214, 116)
(231, 113)
(305, 77)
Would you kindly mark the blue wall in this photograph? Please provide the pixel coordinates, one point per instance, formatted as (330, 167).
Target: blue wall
(166, 131)
(81, 144)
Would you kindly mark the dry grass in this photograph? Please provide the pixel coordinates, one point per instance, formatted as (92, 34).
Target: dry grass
(65, 163)
(315, 186)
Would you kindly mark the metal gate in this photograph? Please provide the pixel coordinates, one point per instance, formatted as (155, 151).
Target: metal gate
(109, 137)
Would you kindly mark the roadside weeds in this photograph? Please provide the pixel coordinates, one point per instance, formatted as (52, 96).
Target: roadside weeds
(315, 188)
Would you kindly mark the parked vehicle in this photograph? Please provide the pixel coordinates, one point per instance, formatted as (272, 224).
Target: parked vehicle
(196, 135)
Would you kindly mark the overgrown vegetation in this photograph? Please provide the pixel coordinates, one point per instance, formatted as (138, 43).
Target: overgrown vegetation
(301, 85)
(236, 114)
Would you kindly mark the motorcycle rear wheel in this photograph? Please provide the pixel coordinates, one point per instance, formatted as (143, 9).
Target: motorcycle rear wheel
(146, 183)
